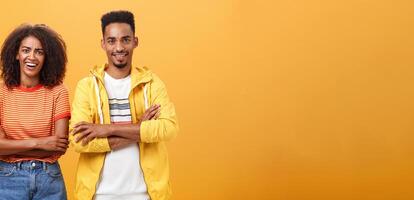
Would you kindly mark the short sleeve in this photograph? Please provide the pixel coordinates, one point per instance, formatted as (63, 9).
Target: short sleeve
(62, 106)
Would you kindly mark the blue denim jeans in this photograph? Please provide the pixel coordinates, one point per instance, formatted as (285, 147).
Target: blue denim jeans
(31, 180)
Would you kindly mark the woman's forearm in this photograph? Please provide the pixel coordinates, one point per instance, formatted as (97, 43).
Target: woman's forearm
(8, 147)
(37, 147)
(38, 153)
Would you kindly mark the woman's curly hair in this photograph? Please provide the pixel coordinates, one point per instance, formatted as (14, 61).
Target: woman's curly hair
(54, 66)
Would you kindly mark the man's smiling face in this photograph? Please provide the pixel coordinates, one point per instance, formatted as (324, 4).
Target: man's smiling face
(119, 43)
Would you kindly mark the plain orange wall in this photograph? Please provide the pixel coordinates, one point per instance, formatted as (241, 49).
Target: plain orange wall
(290, 100)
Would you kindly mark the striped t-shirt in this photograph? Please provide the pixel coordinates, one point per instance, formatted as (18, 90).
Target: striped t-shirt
(30, 113)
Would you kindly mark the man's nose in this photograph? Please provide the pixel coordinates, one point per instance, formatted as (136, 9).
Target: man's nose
(119, 47)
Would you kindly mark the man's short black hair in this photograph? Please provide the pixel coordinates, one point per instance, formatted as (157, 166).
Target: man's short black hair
(120, 16)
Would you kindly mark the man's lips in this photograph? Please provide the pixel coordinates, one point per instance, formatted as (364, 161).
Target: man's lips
(120, 56)
(123, 54)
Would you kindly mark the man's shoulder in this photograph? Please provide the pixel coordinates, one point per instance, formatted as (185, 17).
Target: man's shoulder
(85, 81)
(156, 80)
(85, 85)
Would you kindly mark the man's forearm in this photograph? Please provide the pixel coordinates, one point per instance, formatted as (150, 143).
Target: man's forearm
(86, 132)
(116, 142)
(130, 131)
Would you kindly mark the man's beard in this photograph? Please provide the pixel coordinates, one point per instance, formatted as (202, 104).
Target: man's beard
(120, 66)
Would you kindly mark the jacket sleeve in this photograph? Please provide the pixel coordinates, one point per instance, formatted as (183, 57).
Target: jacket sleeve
(166, 126)
(82, 111)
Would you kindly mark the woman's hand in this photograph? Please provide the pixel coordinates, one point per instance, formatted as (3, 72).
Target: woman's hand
(52, 143)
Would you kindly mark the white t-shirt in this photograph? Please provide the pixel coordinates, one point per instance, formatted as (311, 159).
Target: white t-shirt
(121, 175)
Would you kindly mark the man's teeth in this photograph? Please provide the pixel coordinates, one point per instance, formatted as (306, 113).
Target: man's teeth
(121, 54)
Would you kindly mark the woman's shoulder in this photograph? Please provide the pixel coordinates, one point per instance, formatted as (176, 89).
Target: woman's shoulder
(2, 84)
(59, 88)
(3, 87)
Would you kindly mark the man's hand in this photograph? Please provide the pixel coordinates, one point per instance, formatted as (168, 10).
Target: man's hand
(88, 131)
(52, 143)
(152, 112)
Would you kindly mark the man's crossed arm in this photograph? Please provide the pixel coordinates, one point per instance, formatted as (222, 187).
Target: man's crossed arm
(119, 135)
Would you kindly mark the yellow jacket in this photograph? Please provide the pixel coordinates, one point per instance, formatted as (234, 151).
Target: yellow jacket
(153, 152)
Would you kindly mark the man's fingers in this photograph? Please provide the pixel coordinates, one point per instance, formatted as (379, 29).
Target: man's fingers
(155, 106)
(150, 112)
(78, 129)
(80, 123)
(87, 139)
(155, 115)
(82, 135)
(152, 108)
(74, 131)
(145, 116)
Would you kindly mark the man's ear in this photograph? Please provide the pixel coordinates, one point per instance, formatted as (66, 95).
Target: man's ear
(136, 41)
(102, 43)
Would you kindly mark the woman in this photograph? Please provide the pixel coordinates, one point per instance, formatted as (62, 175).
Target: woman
(34, 114)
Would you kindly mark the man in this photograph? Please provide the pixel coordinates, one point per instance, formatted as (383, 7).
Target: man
(121, 117)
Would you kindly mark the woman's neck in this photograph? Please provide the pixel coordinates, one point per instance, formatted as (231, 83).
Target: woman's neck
(29, 82)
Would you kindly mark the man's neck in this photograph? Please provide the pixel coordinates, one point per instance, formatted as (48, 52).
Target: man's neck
(118, 73)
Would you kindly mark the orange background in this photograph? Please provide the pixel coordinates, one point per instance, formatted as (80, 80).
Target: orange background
(289, 100)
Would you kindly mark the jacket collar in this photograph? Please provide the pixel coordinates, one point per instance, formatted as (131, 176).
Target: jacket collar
(138, 74)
